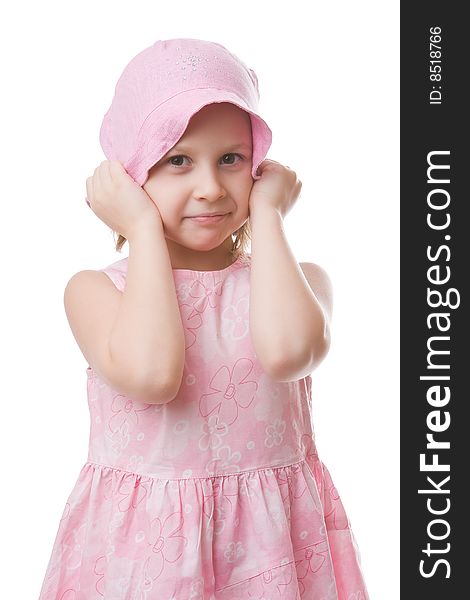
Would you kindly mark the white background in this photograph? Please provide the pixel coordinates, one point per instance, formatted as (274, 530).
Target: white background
(328, 75)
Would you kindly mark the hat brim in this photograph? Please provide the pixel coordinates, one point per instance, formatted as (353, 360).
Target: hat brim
(165, 125)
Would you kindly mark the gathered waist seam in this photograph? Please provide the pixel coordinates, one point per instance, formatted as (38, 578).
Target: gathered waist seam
(146, 475)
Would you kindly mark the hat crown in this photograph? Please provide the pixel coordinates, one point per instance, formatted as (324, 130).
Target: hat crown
(170, 67)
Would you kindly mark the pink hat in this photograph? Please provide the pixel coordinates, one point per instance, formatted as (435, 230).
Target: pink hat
(159, 91)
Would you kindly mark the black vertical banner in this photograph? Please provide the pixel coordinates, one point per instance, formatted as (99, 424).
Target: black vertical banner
(434, 263)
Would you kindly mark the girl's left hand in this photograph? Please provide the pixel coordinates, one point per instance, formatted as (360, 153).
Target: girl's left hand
(278, 187)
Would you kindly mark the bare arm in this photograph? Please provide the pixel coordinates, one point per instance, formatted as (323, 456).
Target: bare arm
(148, 332)
(289, 326)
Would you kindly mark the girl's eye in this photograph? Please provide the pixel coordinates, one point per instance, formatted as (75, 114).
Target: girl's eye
(231, 154)
(181, 156)
(174, 158)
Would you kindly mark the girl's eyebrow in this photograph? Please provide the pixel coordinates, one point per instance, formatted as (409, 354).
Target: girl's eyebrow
(182, 148)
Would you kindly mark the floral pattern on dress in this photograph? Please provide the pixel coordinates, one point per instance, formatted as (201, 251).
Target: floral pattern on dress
(219, 494)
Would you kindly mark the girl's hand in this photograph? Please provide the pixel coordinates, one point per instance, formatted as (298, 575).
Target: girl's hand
(278, 187)
(118, 200)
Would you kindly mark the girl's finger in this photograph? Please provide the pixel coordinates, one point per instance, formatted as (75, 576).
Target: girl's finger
(87, 187)
(99, 174)
(116, 167)
(99, 179)
(105, 175)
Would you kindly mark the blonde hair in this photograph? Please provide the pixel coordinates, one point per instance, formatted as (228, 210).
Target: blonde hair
(241, 240)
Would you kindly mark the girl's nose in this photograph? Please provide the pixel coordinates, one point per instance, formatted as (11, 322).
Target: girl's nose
(209, 183)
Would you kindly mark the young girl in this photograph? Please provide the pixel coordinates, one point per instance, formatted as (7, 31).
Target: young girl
(202, 479)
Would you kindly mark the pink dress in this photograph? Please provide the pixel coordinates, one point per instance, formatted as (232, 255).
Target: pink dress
(217, 495)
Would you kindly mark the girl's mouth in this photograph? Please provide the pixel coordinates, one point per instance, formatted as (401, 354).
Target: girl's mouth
(208, 220)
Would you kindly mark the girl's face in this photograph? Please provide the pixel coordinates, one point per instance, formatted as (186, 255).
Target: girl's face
(207, 171)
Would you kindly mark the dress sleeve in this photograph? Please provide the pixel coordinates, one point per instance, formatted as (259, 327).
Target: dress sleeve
(116, 275)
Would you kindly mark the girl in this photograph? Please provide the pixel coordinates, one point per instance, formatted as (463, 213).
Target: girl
(202, 479)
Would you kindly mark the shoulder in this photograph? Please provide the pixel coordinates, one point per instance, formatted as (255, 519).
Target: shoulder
(111, 276)
(86, 278)
(320, 283)
(87, 286)
(314, 271)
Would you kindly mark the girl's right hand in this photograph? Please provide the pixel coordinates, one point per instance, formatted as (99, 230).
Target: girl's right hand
(118, 200)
